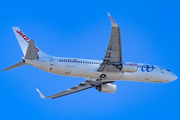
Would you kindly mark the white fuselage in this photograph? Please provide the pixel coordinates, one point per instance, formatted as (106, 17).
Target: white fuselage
(88, 69)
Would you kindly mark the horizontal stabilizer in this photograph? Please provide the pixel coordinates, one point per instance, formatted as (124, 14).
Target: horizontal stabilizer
(31, 52)
(19, 64)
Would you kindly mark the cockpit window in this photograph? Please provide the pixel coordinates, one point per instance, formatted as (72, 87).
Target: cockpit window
(168, 70)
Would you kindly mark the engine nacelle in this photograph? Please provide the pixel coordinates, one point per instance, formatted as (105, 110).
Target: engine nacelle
(130, 67)
(107, 88)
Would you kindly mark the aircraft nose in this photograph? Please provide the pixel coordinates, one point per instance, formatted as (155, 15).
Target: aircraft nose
(173, 77)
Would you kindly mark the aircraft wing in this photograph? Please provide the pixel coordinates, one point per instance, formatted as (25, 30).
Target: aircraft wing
(113, 53)
(83, 86)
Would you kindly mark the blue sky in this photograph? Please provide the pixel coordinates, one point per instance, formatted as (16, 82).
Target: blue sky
(81, 29)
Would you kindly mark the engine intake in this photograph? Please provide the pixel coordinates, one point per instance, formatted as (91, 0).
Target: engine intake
(107, 88)
(131, 67)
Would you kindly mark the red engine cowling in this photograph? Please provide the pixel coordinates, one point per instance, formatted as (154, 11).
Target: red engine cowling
(107, 88)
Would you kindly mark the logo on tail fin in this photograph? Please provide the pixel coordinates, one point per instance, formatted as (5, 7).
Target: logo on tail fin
(25, 38)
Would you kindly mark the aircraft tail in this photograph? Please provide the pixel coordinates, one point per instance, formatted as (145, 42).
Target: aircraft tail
(24, 41)
(31, 53)
(29, 49)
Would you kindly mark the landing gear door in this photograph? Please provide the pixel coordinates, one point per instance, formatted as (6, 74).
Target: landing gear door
(51, 61)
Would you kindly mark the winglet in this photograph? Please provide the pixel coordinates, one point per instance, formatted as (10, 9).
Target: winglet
(40, 93)
(112, 20)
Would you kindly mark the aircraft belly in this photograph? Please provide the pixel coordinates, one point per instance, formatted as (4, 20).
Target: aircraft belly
(141, 76)
(86, 71)
(81, 70)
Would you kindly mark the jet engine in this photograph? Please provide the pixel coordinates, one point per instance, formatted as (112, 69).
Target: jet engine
(130, 67)
(107, 88)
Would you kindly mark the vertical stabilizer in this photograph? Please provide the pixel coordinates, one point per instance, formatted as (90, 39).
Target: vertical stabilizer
(24, 41)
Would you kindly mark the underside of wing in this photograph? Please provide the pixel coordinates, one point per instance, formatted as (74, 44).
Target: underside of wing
(72, 90)
(113, 54)
(83, 86)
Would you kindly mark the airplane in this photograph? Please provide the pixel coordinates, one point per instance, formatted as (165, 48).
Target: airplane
(100, 74)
